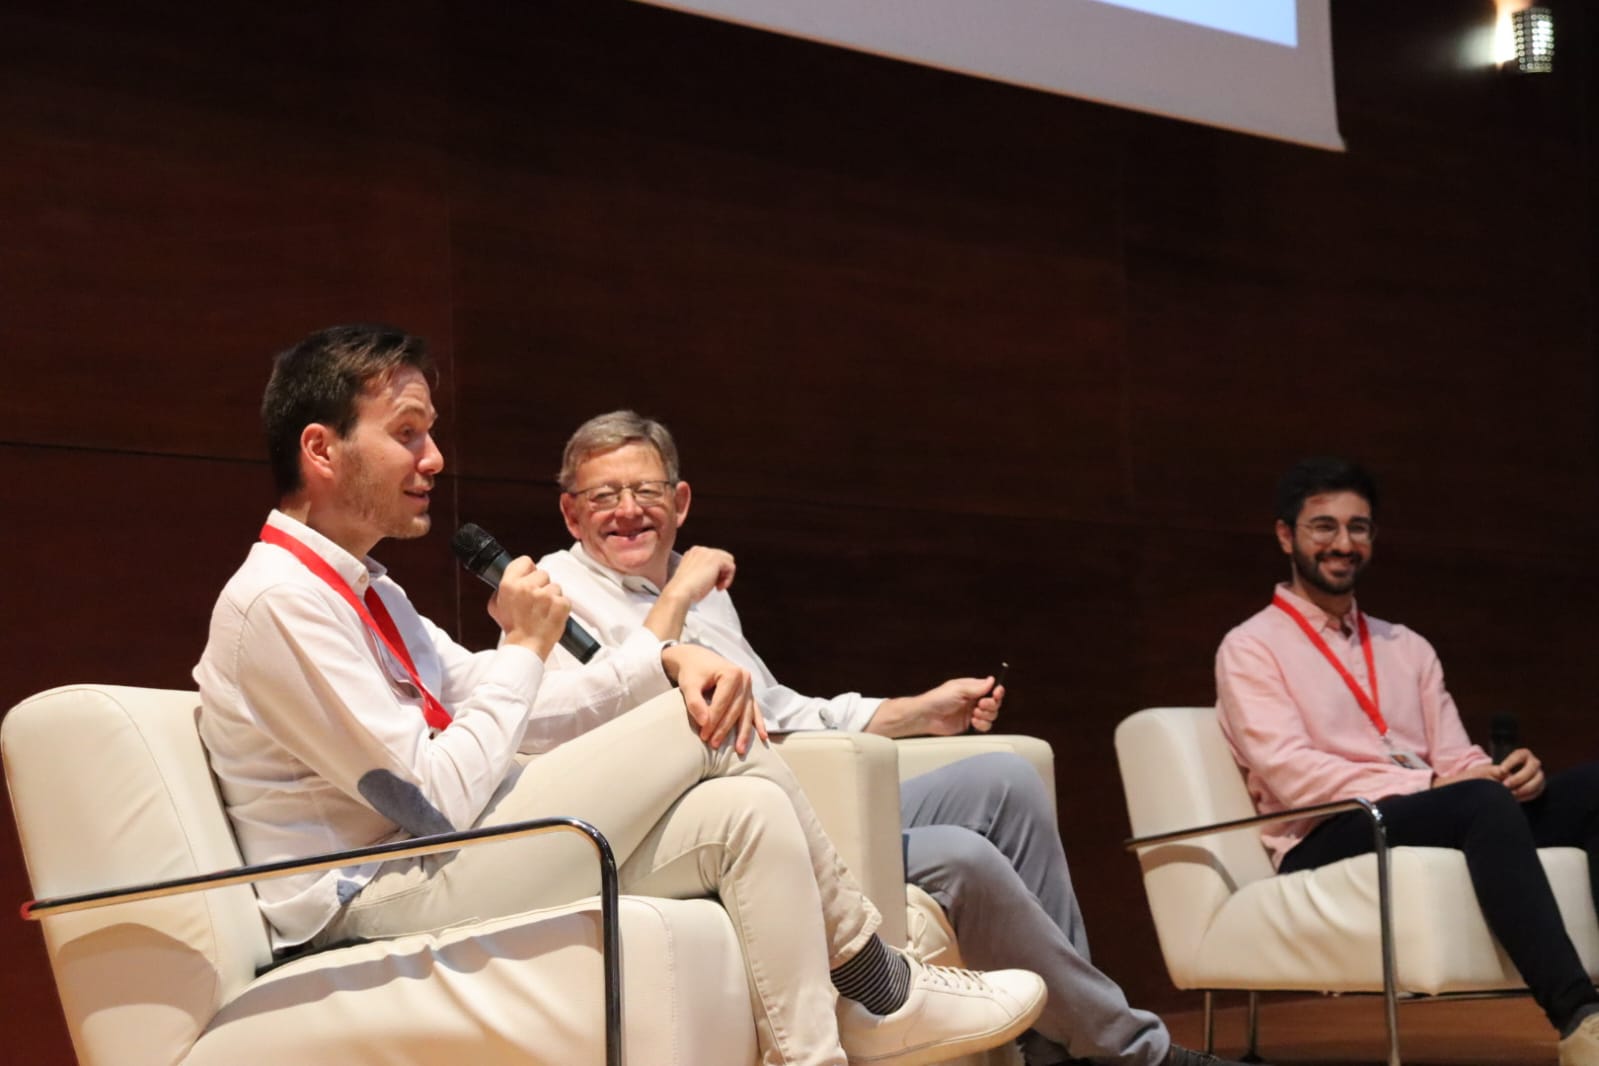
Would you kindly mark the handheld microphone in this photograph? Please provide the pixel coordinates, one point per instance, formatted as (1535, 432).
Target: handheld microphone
(480, 553)
(1504, 737)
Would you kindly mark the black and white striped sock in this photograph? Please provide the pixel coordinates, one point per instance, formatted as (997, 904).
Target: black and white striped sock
(876, 978)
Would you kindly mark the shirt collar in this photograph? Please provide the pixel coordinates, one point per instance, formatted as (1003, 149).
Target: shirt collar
(1318, 618)
(625, 582)
(358, 573)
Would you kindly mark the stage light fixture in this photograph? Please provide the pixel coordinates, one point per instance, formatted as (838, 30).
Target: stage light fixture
(1535, 40)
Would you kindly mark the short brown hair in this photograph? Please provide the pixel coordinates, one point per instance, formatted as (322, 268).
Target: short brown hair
(604, 432)
(319, 381)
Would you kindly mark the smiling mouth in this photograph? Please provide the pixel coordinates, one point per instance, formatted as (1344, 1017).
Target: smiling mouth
(1341, 566)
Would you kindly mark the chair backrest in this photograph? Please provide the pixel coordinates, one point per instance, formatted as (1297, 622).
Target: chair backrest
(1178, 772)
(111, 788)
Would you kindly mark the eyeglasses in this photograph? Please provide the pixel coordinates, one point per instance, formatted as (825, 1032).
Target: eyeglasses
(1325, 530)
(609, 497)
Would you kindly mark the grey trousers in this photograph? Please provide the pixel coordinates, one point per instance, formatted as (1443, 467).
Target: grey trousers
(980, 838)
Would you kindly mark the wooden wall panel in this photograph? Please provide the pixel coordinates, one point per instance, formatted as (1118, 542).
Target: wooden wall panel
(867, 299)
(961, 372)
(187, 190)
(115, 581)
(1338, 322)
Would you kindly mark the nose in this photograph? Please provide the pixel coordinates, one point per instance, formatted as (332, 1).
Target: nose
(1342, 541)
(432, 460)
(627, 504)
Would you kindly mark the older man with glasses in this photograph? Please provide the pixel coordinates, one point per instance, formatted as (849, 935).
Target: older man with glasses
(1322, 702)
(980, 835)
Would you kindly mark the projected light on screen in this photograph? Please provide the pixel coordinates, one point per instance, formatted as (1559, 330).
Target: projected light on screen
(1264, 20)
(1257, 66)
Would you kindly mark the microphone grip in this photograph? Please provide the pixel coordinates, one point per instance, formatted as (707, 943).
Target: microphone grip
(575, 639)
(1504, 737)
(579, 641)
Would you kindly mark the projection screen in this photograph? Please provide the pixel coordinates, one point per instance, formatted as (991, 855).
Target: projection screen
(1256, 66)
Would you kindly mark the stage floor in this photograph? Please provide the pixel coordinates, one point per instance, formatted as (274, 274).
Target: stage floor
(1349, 1031)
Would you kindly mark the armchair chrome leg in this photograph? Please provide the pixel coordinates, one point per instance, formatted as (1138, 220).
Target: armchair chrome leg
(1385, 919)
(1210, 1022)
(610, 940)
(1390, 996)
(1252, 1053)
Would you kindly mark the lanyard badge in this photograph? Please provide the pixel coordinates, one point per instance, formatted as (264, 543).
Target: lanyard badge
(1368, 701)
(372, 612)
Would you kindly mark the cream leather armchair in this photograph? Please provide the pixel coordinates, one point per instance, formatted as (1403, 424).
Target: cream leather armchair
(110, 788)
(1226, 920)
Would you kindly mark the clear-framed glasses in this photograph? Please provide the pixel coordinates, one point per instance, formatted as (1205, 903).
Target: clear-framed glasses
(609, 497)
(1325, 530)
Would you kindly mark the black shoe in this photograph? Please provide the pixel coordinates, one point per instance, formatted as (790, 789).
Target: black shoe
(1181, 1056)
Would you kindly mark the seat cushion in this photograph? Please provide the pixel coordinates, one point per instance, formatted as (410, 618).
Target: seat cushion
(507, 992)
(1315, 929)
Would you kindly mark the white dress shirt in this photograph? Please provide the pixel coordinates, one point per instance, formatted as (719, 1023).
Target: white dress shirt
(317, 735)
(613, 607)
(571, 702)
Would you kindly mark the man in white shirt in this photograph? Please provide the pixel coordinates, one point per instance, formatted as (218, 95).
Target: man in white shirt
(335, 717)
(979, 835)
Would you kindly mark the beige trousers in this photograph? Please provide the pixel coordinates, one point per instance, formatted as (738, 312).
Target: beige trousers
(683, 821)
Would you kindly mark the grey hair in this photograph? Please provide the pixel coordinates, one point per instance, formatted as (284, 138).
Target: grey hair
(603, 433)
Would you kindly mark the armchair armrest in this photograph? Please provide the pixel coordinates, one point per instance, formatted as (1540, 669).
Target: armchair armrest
(610, 918)
(1336, 807)
(919, 755)
(852, 780)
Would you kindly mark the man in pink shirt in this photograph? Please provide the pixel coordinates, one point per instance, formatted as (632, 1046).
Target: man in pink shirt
(1322, 702)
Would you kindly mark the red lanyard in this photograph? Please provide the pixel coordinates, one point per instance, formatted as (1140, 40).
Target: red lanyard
(1367, 703)
(373, 613)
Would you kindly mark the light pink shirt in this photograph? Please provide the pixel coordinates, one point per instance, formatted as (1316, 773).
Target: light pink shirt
(1301, 736)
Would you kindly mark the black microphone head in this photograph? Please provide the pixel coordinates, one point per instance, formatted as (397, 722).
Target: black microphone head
(482, 555)
(475, 547)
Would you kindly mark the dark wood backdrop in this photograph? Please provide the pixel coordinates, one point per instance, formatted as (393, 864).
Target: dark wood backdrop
(961, 372)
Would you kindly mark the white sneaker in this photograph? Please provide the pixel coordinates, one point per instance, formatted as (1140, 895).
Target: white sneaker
(1581, 1048)
(949, 1013)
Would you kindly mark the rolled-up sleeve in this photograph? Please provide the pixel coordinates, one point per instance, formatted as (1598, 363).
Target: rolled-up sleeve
(575, 697)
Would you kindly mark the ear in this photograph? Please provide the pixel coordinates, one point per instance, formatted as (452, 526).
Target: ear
(683, 496)
(570, 506)
(318, 443)
(1285, 537)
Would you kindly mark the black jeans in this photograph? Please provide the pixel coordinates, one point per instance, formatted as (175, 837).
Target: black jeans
(1500, 838)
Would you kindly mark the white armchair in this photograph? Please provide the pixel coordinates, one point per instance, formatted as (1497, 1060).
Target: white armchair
(1226, 920)
(110, 788)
